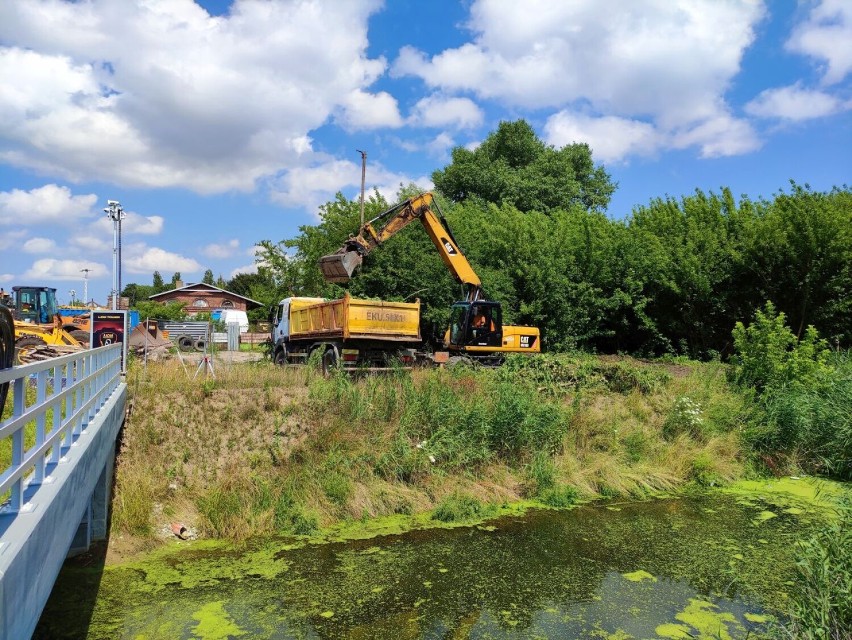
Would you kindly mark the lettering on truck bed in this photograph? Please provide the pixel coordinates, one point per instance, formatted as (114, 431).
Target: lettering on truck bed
(385, 316)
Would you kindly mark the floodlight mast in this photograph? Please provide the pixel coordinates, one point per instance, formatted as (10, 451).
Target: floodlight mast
(116, 214)
(85, 273)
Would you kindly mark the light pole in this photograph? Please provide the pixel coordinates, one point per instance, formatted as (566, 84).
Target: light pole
(85, 273)
(73, 295)
(116, 214)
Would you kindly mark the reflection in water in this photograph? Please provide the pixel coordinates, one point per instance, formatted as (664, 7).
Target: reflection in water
(705, 566)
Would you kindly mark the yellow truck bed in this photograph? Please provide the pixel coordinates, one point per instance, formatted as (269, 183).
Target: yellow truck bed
(350, 318)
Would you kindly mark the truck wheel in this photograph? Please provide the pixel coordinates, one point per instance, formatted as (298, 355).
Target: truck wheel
(200, 344)
(184, 343)
(280, 357)
(329, 361)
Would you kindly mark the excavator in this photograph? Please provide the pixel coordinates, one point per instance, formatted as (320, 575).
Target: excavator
(476, 330)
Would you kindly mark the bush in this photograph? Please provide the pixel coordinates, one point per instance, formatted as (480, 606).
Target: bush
(768, 354)
(559, 497)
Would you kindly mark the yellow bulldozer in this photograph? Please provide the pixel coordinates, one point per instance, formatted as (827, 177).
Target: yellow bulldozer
(36, 322)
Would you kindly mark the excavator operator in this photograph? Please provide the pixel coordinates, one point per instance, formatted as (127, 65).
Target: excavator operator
(482, 322)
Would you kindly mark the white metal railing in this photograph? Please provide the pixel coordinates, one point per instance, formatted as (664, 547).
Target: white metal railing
(69, 391)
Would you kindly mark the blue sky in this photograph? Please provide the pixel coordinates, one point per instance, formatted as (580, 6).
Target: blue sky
(218, 124)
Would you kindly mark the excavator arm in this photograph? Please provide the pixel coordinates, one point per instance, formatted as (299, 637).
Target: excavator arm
(339, 266)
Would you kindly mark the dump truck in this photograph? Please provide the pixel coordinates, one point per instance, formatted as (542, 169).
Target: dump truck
(347, 332)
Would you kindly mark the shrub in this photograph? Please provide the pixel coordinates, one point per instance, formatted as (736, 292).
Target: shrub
(768, 355)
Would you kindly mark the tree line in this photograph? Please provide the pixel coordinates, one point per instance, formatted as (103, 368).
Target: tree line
(673, 277)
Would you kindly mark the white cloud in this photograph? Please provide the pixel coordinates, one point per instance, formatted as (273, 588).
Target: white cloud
(52, 269)
(38, 245)
(91, 244)
(138, 258)
(827, 35)
(310, 187)
(225, 250)
(723, 135)
(363, 110)
(249, 268)
(6, 277)
(50, 204)
(83, 99)
(442, 111)
(667, 64)
(611, 138)
(9, 239)
(440, 146)
(793, 103)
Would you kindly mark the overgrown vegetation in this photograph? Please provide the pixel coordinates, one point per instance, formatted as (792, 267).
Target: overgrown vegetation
(821, 608)
(804, 395)
(265, 450)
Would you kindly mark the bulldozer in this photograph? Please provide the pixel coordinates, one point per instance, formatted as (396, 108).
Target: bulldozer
(36, 321)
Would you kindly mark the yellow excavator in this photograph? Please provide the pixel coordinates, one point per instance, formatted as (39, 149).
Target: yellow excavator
(37, 322)
(476, 330)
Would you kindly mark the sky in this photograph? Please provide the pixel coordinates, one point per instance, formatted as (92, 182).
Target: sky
(217, 124)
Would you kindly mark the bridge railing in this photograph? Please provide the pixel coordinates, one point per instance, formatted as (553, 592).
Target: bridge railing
(52, 402)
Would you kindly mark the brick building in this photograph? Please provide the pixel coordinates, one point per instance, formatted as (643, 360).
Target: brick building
(205, 297)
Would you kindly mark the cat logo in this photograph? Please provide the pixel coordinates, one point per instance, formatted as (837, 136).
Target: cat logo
(525, 342)
(449, 246)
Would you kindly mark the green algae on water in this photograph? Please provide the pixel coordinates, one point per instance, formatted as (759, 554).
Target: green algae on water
(214, 623)
(639, 576)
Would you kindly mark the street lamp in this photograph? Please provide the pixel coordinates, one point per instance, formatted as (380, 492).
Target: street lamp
(73, 296)
(116, 214)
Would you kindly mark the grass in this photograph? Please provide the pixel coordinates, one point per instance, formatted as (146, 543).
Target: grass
(821, 606)
(266, 450)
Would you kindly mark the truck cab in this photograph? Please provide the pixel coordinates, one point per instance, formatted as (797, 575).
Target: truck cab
(476, 324)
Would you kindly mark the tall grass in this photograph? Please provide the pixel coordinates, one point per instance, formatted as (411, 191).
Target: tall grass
(264, 449)
(821, 607)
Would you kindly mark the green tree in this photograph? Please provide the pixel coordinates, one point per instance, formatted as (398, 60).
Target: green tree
(208, 277)
(514, 167)
(799, 254)
(158, 284)
(170, 311)
(175, 279)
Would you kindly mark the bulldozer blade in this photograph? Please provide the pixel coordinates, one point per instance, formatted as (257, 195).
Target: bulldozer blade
(339, 267)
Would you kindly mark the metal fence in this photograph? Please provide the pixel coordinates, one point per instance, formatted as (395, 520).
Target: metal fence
(66, 394)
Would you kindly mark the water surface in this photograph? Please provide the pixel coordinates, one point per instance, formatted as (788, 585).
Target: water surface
(709, 566)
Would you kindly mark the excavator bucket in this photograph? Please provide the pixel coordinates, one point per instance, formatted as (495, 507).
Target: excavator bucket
(339, 267)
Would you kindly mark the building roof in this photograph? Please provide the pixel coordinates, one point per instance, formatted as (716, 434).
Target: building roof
(202, 287)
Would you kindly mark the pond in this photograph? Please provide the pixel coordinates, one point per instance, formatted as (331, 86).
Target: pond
(708, 566)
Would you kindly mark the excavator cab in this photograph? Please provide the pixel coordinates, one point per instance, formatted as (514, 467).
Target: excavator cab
(476, 324)
(36, 305)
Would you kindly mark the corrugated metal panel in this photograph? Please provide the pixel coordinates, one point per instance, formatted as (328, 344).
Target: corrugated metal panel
(195, 330)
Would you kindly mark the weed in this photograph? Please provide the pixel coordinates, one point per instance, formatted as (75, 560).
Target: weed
(560, 497)
(461, 508)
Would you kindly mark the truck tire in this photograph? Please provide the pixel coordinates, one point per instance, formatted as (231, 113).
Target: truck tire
(329, 361)
(280, 357)
(200, 344)
(185, 343)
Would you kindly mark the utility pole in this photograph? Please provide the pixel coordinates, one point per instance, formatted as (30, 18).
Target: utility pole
(85, 273)
(116, 214)
(363, 177)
